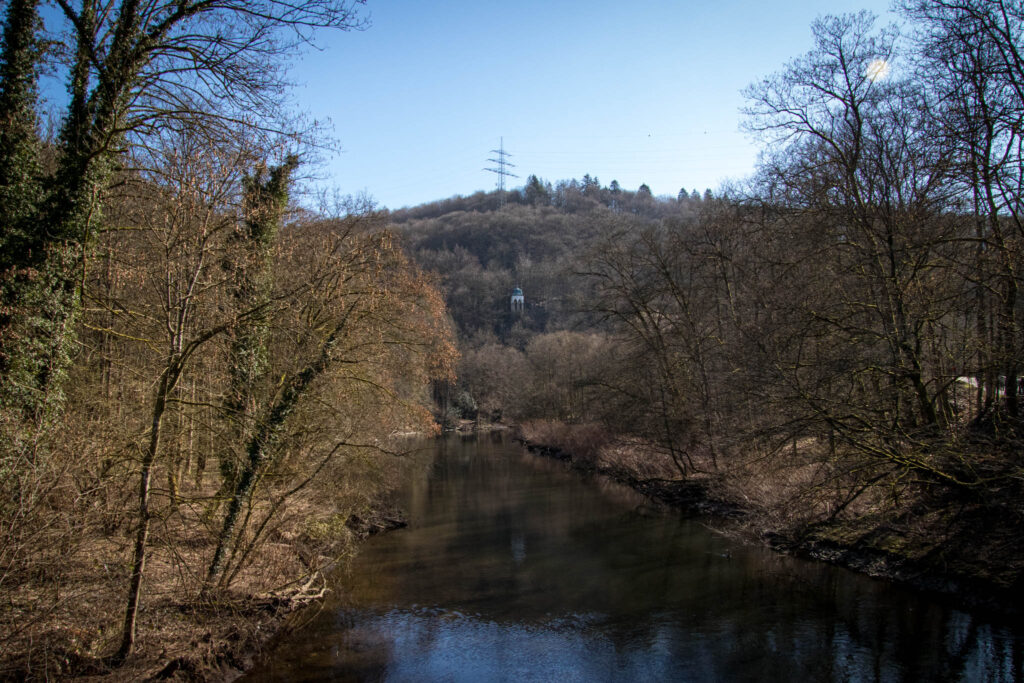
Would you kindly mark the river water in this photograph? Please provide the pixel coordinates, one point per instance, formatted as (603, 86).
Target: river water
(515, 568)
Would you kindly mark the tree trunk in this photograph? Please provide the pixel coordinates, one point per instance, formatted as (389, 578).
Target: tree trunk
(142, 536)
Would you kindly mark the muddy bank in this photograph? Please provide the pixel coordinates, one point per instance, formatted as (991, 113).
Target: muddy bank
(972, 592)
(969, 560)
(969, 557)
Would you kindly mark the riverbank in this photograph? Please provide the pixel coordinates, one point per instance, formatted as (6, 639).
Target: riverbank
(965, 555)
(462, 426)
(957, 550)
(193, 640)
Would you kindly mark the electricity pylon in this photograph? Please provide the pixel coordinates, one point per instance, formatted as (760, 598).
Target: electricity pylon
(502, 165)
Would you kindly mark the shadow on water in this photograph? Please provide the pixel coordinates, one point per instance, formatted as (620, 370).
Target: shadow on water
(516, 568)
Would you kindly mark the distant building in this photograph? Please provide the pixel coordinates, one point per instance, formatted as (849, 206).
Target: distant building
(517, 300)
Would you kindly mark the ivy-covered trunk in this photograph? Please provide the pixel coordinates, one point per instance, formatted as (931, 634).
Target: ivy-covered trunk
(31, 303)
(48, 220)
(20, 174)
(260, 450)
(264, 202)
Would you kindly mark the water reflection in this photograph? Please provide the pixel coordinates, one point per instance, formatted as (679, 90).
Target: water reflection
(514, 568)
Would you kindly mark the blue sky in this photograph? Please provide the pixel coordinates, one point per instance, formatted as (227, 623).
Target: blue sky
(640, 92)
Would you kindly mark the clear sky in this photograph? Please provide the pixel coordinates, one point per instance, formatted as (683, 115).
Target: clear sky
(640, 92)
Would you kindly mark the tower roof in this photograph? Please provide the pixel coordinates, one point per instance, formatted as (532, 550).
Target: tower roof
(517, 292)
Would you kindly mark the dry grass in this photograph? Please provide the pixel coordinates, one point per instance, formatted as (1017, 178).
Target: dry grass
(638, 459)
(592, 446)
(582, 441)
(793, 488)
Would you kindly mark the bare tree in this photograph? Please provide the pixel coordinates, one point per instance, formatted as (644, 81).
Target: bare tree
(857, 156)
(659, 287)
(185, 219)
(970, 57)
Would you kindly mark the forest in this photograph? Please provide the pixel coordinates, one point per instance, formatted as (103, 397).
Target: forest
(204, 381)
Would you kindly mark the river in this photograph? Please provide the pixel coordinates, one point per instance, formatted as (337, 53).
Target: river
(515, 568)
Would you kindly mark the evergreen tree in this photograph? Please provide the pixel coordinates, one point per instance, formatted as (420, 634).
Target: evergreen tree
(535, 191)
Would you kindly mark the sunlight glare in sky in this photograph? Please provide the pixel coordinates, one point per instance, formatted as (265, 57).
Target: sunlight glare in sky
(877, 70)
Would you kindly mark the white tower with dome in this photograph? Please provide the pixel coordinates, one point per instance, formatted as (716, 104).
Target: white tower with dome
(517, 300)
